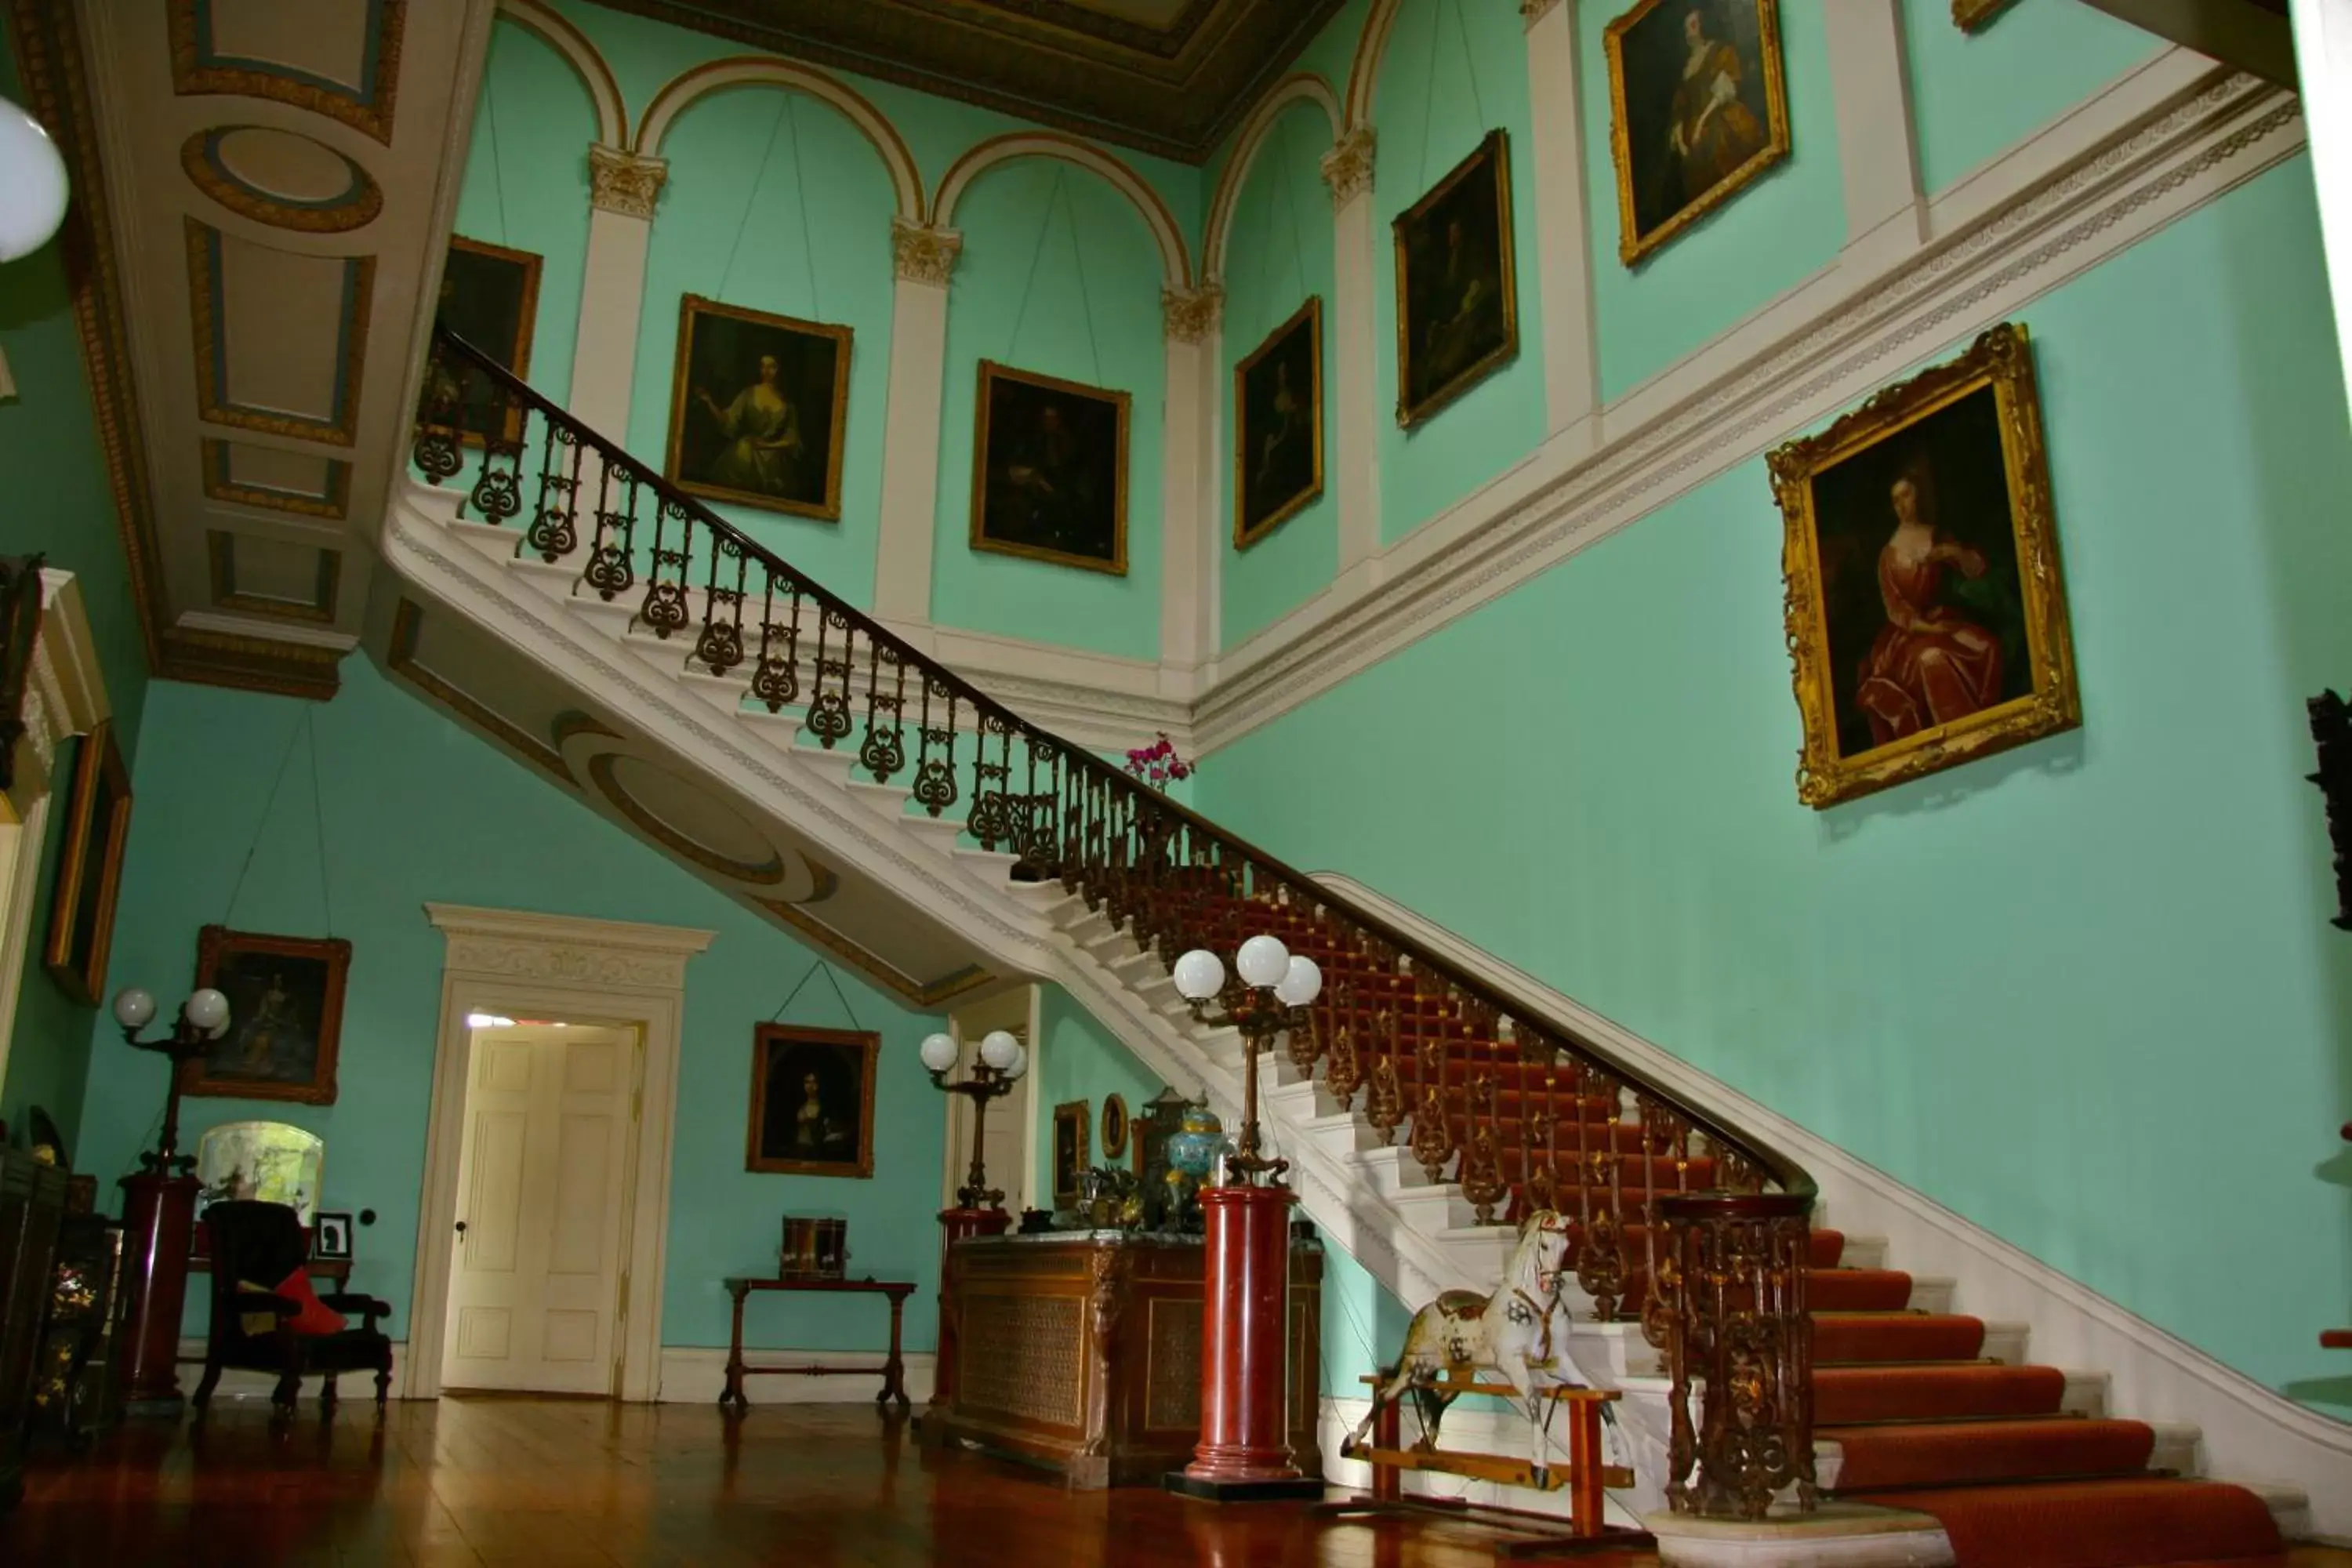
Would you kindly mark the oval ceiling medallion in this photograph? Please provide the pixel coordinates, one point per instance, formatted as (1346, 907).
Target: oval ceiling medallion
(282, 179)
(687, 818)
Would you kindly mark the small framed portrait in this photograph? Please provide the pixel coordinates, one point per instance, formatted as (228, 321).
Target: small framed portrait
(1114, 1128)
(1049, 470)
(1070, 1152)
(331, 1237)
(285, 1017)
(489, 297)
(1457, 294)
(1699, 109)
(1926, 612)
(811, 1101)
(758, 408)
(1278, 425)
(90, 869)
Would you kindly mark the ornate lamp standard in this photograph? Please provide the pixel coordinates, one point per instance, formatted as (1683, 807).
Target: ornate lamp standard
(1244, 1447)
(980, 1209)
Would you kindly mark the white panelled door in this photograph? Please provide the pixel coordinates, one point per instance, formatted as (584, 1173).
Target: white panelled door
(536, 1291)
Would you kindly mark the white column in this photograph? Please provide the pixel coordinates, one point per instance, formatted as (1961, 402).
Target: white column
(1885, 212)
(622, 188)
(2323, 46)
(1188, 512)
(925, 259)
(1347, 170)
(1563, 252)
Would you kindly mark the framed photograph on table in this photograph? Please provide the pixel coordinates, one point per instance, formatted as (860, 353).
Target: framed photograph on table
(331, 1237)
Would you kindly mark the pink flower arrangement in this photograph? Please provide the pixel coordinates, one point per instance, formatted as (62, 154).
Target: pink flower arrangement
(1158, 764)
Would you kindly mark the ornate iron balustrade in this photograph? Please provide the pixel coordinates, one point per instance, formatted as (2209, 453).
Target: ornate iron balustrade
(1691, 1226)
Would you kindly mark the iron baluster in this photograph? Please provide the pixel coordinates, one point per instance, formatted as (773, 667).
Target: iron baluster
(777, 680)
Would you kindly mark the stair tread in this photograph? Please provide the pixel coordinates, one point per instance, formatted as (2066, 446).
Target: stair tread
(1947, 1452)
(2125, 1522)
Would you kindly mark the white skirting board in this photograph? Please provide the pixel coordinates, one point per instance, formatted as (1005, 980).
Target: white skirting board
(690, 1374)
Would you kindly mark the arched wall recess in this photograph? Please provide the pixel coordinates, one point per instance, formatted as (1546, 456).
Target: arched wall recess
(753, 71)
(603, 90)
(1175, 260)
(1364, 72)
(1300, 88)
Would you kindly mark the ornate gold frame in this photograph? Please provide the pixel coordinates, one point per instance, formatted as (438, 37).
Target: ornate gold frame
(1494, 145)
(990, 371)
(214, 944)
(1078, 1115)
(2003, 360)
(869, 1045)
(190, 76)
(828, 510)
(98, 767)
(1631, 247)
(526, 323)
(1311, 314)
(1969, 15)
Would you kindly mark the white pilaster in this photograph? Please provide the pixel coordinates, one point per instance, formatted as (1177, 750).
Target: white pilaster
(622, 190)
(925, 260)
(1188, 512)
(1563, 251)
(2323, 47)
(1885, 212)
(1348, 169)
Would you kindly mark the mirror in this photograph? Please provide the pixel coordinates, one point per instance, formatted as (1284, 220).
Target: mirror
(268, 1160)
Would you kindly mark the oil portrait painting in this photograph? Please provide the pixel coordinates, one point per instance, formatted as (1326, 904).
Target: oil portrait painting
(1071, 1124)
(489, 297)
(285, 1016)
(1278, 425)
(1698, 110)
(811, 1101)
(758, 408)
(1457, 302)
(1926, 609)
(1049, 470)
(90, 868)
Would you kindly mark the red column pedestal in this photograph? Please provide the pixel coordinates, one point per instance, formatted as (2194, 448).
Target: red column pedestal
(954, 1226)
(1244, 1448)
(159, 1216)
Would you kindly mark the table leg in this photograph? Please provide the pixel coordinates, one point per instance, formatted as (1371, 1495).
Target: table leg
(733, 1391)
(893, 1371)
(1585, 1467)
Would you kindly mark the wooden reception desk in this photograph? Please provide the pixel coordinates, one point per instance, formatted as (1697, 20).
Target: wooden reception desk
(1080, 1351)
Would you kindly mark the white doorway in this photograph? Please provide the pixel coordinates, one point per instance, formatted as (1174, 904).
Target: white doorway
(541, 1232)
(1009, 1143)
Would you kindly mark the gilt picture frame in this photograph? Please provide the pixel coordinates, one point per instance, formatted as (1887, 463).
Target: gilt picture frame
(489, 297)
(1278, 425)
(90, 869)
(1049, 470)
(1926, 607)
(812, 1110)
(1457, 307)
(759, 409)
(1698, 110)
(285, 1017)
(1072, 1125)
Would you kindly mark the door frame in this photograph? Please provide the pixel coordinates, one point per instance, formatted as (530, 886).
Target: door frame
(517, 965)
(961, 1026)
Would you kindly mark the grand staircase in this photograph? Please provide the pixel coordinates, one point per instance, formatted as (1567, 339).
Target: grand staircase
(1778, 1373)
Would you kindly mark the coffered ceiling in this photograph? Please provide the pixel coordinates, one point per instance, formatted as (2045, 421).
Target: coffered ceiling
(1169, 77)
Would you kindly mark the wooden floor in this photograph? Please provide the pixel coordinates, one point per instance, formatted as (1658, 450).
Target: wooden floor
(555, 1483)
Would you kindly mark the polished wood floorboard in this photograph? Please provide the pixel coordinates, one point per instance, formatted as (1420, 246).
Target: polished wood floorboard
(558, 1483)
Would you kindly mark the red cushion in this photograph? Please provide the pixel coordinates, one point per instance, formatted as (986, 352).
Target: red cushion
(316, 1317)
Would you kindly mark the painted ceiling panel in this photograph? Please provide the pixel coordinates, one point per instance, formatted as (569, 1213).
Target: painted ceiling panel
(325, 39)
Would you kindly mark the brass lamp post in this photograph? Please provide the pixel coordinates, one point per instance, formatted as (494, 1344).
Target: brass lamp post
(1273, 991)
(1002, 1059)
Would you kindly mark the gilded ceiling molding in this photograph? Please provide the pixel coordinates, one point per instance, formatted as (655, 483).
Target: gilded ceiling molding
(1534, 11)
(1371, 48)
(1348, 167)
(198, 70)
(1175, 259)
(624, 183)
(1301, 87)
(757, 70)
(356, 207)
(923, 254)
(220, 548)
(1190, 315)
(595, 75)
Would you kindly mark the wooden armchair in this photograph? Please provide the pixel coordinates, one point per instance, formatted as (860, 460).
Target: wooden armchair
(255, 1247)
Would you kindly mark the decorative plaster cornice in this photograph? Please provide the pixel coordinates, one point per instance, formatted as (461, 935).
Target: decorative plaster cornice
(624, 183)
(1190, 315)
(1534, 11)
(1348, 166)
(521, 945)
(924, 254)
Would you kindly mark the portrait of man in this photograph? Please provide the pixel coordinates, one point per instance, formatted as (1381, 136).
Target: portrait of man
(1457, 314)
(1278, 425)
(811, 1101)
(758, 408)
(1049, 470)
(1700, 111)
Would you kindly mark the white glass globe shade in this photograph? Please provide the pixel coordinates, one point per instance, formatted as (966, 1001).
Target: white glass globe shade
(1200, 975)
(1262, 961)
(1300, 983)
(208, 1009)
(1020, 1060)
(999, 1049)
(938, 1052)
(134, 1008)
(32, 184)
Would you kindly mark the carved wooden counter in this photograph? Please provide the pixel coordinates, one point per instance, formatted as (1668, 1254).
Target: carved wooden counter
(1081, 1352)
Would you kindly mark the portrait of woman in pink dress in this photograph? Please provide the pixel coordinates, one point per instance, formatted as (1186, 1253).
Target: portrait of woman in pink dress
(1930, 663)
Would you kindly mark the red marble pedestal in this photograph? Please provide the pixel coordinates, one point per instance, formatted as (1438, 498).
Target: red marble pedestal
(954, 1226)
(1244, 1448)
(158, 1217)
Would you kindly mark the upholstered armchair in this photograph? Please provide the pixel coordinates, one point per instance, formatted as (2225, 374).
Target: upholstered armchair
(260, 1321)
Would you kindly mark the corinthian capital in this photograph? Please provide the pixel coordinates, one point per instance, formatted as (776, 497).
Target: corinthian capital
(622, 181)
(1191, 314)
(923, 254)
(1348, 166)
(1533, 11)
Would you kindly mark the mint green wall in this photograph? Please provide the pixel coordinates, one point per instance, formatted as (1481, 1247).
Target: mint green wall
(2084, 992)
(1079, 1059)
(1058, 276)
(1279, 254)
(1454, 71)
(526, 185)
(1779, 229)
(1975, 95)
(59, 504)
(418, 809)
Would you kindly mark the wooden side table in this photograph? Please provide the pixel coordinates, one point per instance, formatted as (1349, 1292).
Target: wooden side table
(894, 1370)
